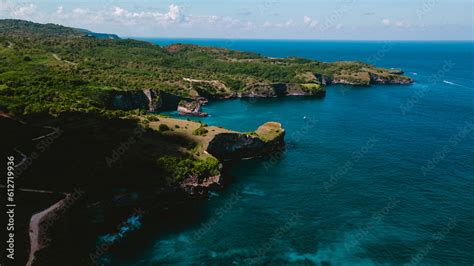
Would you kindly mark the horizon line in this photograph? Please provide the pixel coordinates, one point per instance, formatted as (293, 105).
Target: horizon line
(298, 39)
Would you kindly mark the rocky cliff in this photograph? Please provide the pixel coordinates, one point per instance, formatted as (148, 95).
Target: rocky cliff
(367, 78)
(230, 146)
(191, 108)
(265, 90)
(147, 99)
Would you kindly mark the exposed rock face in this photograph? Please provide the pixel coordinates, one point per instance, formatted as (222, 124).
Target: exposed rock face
(190, 108)
(195, 186)
(147, 99)
(370, 78)
(227, 146)
(323, 79)
(129, 100)
(305, 90)
(264, 90)
(390, 79)
(168, 101)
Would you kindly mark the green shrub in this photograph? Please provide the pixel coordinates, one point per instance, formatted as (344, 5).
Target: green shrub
(152, 118)
(253, 133)
(200, 131)
(163, 127)
(206, 167)
(177, 169)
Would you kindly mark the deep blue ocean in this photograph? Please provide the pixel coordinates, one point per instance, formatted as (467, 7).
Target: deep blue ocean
(370, 176)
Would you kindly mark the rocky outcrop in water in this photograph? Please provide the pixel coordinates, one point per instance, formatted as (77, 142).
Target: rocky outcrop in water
(192, 108)
(147, 99)
(265, 140)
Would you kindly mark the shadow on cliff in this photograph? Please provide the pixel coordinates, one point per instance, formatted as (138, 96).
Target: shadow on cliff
(112, 161)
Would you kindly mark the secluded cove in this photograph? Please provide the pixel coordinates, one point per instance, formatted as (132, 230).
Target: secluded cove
(361, 181)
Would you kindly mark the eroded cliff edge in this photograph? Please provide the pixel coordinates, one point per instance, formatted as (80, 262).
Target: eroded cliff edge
(74, 70)
(150, 163)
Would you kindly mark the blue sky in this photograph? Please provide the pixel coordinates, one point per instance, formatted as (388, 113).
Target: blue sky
(263, 19)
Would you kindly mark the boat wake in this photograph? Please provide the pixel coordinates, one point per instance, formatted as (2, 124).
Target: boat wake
(455, 84)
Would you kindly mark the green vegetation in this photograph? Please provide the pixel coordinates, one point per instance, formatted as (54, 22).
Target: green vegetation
(152, 118)
(201, 131)
(253, 133)
(51, 68)
(311, 86)
(270, 131)
(177, 169)
(163, 127)
(55, 75)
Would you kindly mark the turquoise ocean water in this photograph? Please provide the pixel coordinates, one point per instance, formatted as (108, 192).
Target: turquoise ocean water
(370, 176)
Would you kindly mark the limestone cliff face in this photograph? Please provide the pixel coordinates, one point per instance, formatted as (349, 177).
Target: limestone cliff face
(323, 79)
(198, 187)
(390, 79)
(129, 100)
(191, 108)
(230, 146)
(265, 90)
(147, 99)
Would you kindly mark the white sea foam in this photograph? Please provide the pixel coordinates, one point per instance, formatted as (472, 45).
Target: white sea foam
(455, 84)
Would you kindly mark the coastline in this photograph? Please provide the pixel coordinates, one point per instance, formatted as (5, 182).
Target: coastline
(176, 160)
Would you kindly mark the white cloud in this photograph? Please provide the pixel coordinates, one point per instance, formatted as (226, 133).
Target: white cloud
(398, 23)
(23, 11)
(80, 11)
(308, 21)
(288, 24)
(118, 11)
(174, 15)
(401, 24)
(60, 10)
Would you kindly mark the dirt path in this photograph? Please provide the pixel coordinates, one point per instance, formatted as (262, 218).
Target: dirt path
(65, 61)
(34, 229)
(24, 156)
